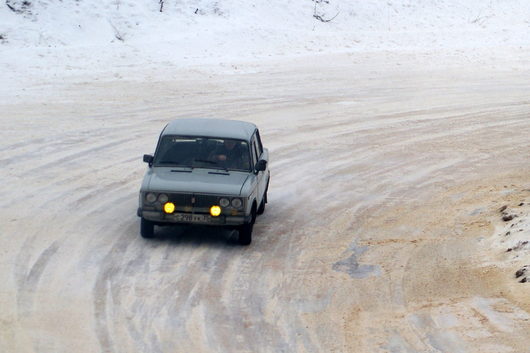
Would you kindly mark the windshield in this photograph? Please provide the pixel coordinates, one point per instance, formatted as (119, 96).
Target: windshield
(203, 152)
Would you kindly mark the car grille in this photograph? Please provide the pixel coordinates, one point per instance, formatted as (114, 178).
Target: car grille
(198, 202)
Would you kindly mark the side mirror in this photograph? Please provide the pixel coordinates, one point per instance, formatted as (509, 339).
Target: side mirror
(148, 159)
(261, 165)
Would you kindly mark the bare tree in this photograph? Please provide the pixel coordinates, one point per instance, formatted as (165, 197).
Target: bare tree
(117, 34)
(320, 16)
(19, 6)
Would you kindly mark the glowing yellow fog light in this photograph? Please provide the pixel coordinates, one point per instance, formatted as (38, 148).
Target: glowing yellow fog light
(169, 207)
(215, 211)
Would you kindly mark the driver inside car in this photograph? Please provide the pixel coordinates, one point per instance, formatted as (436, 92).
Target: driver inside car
(231, 155)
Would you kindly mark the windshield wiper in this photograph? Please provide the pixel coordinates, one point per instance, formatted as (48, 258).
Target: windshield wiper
(220, 173)
(182, 171)
(211, 162)
(173, 163)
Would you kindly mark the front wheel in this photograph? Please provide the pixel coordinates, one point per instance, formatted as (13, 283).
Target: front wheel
(147, 228)
(261, 207)
(245, 234)
(245, 231)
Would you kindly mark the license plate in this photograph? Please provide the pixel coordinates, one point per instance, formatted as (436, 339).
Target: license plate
(192, 218)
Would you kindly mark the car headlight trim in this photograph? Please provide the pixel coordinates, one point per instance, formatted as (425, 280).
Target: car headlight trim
(224, 202)
(237, 203)
(163, 198)
(150, 197)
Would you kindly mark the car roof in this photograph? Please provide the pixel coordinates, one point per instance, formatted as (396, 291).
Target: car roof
(233, 129)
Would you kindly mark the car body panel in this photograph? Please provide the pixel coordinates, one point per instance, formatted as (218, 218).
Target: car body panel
(233, 129)
(196, 180)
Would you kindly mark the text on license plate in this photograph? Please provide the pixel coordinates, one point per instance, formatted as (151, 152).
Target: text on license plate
(182, 217)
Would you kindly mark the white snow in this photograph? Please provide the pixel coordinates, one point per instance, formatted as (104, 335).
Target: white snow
(370, 119)
(54, 40)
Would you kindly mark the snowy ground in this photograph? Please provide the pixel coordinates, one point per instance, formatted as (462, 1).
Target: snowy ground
(389, 171)
(513, 234)
(398, 133)
(51, 41)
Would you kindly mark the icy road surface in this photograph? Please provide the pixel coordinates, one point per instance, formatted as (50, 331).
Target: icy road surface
(387, 174)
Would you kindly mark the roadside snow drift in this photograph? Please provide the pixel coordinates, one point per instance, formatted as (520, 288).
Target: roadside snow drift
(397, 131)
(82, 35)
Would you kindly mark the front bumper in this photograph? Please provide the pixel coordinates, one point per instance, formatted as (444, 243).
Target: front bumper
(206, 219)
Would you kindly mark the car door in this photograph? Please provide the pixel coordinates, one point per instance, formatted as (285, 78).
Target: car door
(261, 176)
(264, 154)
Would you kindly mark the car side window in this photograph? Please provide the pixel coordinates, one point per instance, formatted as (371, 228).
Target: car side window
(258, 153)
(259, 145)
(254, 151)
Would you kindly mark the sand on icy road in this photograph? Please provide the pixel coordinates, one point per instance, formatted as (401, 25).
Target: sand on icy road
(385, 172)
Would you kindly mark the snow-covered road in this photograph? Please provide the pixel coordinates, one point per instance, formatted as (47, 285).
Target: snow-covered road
(387, 174)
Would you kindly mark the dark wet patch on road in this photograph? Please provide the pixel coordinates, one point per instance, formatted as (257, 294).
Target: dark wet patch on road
(352, 267)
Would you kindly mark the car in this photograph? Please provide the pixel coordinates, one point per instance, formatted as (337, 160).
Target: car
(210, 172)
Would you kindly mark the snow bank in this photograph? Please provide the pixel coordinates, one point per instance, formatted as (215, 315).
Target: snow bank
(512, 238)
(373, 23)
(53, 39)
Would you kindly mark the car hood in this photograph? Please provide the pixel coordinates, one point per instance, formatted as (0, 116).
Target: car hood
(197, 180)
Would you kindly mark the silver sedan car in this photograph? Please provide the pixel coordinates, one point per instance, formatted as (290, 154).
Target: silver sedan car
(206, 172)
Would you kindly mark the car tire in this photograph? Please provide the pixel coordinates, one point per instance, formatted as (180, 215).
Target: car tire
(245, 231)
(261, 207)
(147, 229)
(245, 234)
(267, 191)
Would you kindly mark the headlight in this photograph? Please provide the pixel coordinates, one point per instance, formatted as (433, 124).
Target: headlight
(224, 202)
(162, 198)
(237, 203)
(169, 207)
(215, 211)
(150, 197)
